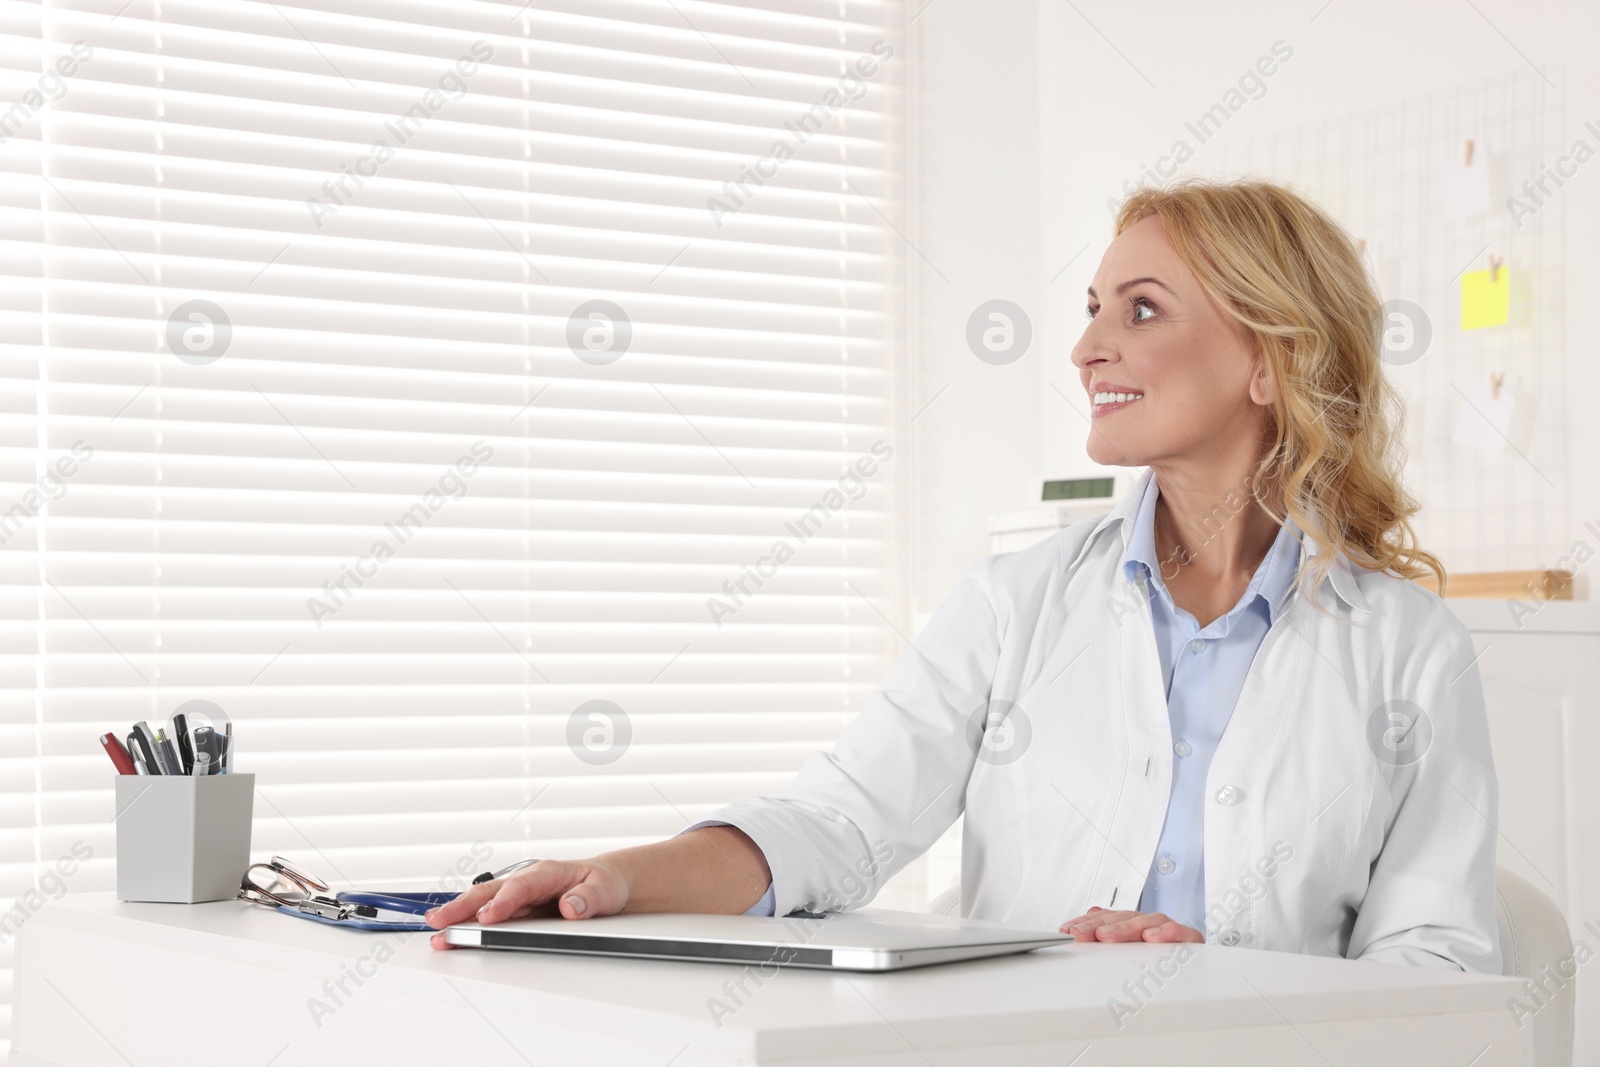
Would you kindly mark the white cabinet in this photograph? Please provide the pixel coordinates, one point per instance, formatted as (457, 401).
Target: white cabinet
(1542, 684)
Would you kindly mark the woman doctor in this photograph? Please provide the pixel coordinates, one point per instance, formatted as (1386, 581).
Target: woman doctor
(1222, 712)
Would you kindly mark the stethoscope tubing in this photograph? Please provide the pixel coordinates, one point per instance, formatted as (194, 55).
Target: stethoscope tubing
(407, 903)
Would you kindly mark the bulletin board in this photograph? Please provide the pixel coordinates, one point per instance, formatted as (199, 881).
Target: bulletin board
(1487, 403)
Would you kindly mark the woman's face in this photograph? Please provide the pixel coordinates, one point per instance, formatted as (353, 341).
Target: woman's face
(1170, 378)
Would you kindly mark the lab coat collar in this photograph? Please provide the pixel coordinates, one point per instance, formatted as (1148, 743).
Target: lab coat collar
(1341, 577)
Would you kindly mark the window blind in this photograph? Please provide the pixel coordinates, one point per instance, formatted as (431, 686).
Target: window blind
(486, 405)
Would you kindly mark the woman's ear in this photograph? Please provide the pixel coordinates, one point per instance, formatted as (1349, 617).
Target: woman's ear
(1263, 389)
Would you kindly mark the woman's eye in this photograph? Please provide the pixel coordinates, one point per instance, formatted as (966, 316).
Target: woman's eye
(1140, 304)
(1089, 310)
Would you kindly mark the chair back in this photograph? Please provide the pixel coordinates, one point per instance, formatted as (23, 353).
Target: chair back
(1535, 945)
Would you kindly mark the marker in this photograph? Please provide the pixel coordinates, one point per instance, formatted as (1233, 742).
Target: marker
(180, 730)
(119, 755)
(205, 740)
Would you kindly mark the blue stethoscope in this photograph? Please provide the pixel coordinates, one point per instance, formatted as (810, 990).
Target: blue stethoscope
(359, 910)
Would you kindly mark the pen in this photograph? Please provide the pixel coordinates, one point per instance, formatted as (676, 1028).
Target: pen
(202, 764)
(227, 747)
(133, 754)
(169, 754)
(118, 754)
(489, 876)
(149, 751)
(180, 730)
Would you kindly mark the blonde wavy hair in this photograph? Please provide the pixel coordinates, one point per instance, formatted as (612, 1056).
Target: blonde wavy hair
(1290, 276)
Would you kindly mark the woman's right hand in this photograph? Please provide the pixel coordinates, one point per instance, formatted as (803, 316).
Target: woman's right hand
(574, 889)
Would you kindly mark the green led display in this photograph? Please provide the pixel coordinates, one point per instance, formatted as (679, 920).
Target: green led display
(1079, 488)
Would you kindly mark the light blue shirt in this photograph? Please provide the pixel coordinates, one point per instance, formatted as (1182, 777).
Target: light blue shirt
(766, 905)
(1203, 672)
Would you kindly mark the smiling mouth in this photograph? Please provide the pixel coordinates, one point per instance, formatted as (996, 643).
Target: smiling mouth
(1105, 402)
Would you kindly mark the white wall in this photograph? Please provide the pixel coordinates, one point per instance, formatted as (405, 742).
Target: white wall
(974, 185)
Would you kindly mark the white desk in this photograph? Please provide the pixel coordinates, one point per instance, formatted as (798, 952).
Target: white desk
(105, 983)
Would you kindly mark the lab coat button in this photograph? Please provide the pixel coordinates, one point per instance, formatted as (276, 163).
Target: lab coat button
(1229, 938)
(1229, 795)
(1182, 748)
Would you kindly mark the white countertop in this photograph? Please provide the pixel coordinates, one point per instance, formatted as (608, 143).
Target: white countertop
(1056, 996)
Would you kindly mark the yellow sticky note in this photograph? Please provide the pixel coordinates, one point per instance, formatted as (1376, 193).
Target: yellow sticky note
(1485, 301)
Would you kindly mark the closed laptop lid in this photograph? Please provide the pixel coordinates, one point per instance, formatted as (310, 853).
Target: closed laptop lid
(868, 938)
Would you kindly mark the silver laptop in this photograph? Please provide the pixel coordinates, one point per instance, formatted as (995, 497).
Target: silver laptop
(864, 940)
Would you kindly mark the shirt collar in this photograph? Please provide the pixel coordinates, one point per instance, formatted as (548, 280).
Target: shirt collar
(1341, 577)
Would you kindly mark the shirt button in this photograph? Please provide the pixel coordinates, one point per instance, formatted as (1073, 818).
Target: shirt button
(1166, 866)
(1198, 645)
(1229, 795)
(1229, 937)
(1182, 748)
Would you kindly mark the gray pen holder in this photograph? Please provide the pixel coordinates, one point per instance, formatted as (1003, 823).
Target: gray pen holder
(182, 839)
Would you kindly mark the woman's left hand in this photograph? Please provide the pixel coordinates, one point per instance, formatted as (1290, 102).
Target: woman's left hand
(1102, 925)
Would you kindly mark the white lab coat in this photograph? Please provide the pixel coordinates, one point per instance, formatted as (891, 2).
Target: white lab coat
(1312, 842)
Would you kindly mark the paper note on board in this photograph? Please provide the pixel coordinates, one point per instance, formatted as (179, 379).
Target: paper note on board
(1495, 421)
(1464, 187)
(1485, 298)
